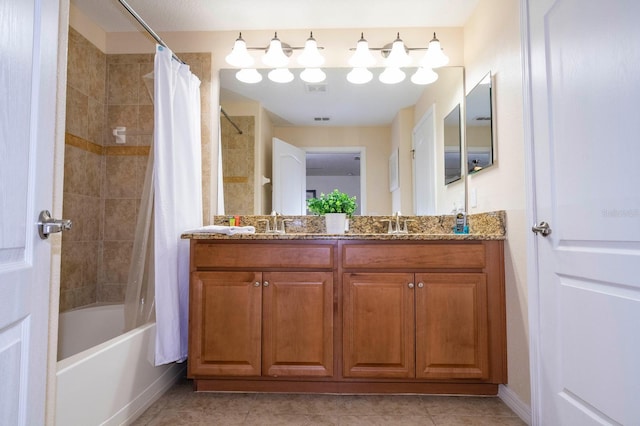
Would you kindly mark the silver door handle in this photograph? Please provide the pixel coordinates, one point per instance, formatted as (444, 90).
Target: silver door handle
(48, 225)
(543, 229)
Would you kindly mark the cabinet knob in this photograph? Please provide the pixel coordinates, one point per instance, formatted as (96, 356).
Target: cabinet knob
(256, 284)
(411, 285)
(420, 285)
(266, 284)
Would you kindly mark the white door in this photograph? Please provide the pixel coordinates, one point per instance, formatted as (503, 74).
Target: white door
(424, 165)
(583, 86)
(289, 179)
(28, 49)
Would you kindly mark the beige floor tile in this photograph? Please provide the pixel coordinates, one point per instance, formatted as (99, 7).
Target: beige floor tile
(269, 419)
(382, 405)
(477, 421)
(398, 420)
(475, 406)
(295, 404)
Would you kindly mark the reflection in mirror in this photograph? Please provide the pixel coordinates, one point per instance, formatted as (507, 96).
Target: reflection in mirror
(333, 116)
(452, 146)
(478, 130)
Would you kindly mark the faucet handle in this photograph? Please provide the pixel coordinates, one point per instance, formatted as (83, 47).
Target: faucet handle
(389, 226)
(405, 228)
(284, 229)
(266, 226)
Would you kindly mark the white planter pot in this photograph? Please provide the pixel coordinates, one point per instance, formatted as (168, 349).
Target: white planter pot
(336, 222)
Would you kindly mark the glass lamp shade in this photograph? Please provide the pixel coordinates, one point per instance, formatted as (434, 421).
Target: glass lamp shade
(392, 75)
(239, 56)
(424, 76)
(313, 75)
(362, 58)
(359, 75)
(249, 75)
(310, 56)
(280, 75)
(275, 56)
(398, 57)
(435, 56)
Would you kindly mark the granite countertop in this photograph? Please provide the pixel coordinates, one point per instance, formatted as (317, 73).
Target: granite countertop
(482, 226)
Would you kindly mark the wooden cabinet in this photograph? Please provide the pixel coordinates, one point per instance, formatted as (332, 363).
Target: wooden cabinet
(261, 323)
(436, 318)
(347, 315)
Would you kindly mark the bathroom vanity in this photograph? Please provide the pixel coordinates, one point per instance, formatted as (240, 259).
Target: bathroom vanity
(355, 313)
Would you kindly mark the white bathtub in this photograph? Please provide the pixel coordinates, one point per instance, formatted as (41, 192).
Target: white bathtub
(104, 376)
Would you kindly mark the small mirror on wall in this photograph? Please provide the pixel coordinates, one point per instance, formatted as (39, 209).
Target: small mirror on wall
(452, 146)
(479, 127)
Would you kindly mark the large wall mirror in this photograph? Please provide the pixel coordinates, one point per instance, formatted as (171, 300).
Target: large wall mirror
(479, 126)
(335, 103)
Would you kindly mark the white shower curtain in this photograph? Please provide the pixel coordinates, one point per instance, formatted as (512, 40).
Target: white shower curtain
(178, 198)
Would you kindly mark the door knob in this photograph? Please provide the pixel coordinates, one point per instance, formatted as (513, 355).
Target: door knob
(542, 229)
(48, 225)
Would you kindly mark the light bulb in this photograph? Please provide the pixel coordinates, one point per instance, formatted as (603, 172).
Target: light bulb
(280, 75)
(435, 56)
(310, 56)
(424, 76)
(275, 56)
(398, 57)
(362, 58)
(359, 75)
(249, 75)
(313, 75)
(392, 75)
(239, 56)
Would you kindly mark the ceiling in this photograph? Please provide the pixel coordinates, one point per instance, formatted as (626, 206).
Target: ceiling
(226, 15)
(291, 104)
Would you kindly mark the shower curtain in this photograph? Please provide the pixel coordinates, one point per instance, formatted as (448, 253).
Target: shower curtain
(177, 198)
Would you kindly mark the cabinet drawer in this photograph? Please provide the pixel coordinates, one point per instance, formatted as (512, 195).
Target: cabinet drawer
(402, 256)
(262, 255)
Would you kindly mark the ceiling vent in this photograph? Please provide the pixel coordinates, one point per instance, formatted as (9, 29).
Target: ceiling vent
(321, 118)
(316, 88)
(483, 119)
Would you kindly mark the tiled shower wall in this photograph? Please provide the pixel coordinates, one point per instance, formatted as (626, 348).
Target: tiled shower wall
(103, 180)
(238, 164)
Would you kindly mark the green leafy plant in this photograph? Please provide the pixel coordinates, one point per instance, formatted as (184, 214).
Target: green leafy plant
(333, 202)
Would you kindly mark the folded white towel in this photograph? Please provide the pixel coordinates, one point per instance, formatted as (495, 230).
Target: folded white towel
(227, 230)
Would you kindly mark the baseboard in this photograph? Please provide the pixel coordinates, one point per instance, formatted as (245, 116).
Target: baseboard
(512, 401)
(128, 414)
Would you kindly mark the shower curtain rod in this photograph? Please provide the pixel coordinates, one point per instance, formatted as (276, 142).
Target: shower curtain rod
(162, 43)
(231, 121)
(148, 28)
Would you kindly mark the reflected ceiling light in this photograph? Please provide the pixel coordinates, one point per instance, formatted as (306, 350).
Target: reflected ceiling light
(362, 58)
(239, 56)
(398, 56)
(313, 75)
(310, 56)
(249, 75)
(359, 75)
(280, 75)
(275, 56)
(435, 56)
(424, 76)
(392, 75)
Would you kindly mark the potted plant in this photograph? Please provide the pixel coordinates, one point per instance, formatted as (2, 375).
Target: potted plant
(335, 207)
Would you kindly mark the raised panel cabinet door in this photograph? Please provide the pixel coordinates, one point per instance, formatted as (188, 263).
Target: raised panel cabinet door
(297, 324)
(225, 324)
(378, 325)
(452, 326)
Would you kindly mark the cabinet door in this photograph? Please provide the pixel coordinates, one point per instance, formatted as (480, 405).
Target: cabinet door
(452, 326)
(298, 324)
(378, 325)
(225, 324)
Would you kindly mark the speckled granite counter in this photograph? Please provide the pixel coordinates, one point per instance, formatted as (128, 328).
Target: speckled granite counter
(482, 226)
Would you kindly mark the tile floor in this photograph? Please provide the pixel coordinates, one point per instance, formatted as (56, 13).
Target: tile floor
(181, 406)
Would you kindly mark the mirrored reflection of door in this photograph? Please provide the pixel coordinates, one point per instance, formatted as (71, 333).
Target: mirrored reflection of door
(424, 165)
(289, 178)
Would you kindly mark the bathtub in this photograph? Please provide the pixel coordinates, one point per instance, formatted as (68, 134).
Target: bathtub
(106, 377)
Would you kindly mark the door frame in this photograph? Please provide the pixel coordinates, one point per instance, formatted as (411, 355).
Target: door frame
(362, 202)
(430, 112)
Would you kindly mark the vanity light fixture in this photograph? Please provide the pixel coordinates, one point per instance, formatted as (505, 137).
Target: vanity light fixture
(276, 56)
(396, 56)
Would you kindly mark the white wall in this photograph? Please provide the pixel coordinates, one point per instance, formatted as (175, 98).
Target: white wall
(492, 43)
